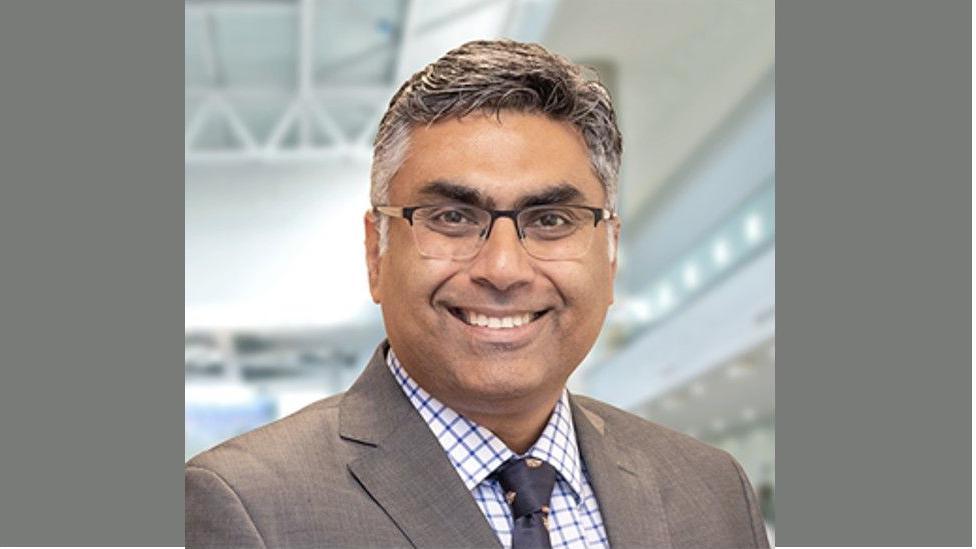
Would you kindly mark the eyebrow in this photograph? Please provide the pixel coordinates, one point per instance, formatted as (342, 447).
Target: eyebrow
(560, 193)
(456, 192)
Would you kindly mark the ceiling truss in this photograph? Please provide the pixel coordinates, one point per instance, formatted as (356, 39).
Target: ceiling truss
(305, 114)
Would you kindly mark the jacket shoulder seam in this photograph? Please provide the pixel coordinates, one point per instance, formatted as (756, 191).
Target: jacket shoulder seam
(247, 513)
(745, 496)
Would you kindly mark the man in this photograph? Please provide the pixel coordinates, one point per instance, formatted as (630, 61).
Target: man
(491, 250)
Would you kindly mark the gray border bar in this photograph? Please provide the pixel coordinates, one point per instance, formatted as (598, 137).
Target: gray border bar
(873, 180)
(873, 270)
(90, 273)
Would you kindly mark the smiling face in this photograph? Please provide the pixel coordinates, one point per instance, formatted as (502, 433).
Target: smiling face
(542, 316)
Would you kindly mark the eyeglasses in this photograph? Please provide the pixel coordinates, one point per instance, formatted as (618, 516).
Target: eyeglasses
(458, 231)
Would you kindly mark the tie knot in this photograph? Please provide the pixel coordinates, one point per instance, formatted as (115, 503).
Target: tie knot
(527, 484)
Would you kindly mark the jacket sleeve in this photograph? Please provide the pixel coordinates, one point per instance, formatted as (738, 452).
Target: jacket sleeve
(215, 515)
(752, 507)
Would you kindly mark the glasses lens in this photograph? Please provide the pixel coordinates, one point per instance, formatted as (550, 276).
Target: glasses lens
(450, 231)
(556, 232)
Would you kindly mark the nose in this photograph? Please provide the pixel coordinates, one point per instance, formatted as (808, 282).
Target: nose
(502, 263)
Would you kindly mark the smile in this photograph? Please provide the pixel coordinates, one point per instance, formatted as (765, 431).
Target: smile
(509, 321)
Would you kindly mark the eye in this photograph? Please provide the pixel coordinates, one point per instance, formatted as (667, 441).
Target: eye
(551, 223)
(550, 219)
(453, 217)
(450, 220)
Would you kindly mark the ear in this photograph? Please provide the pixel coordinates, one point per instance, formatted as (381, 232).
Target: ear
(372, 254)
(613, 225)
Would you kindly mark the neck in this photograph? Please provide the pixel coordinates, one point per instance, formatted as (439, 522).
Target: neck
(515, 420)
(518, 429)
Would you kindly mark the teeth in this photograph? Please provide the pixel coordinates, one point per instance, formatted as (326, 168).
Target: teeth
(476, 319)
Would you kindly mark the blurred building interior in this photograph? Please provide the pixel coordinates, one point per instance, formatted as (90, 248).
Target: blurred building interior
(282, 101)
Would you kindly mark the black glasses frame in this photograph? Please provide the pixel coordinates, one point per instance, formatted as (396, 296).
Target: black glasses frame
(406, 212)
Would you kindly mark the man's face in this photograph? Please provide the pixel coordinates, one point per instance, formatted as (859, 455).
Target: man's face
(498, 164)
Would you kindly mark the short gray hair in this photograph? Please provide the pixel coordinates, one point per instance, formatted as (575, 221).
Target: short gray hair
(490, 76)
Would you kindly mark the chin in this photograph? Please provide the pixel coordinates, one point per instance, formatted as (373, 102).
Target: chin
(503, 380)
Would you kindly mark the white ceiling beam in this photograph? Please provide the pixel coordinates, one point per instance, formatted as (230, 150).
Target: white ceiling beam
(354, 59)
(272, 150)
(281, 127)
(208, 50)
(326, 122)
(236, 124)
(413, 52)
(401, 71)
(411, 15)
(277, 156)
(306, 46)
(196, 123)
(363, 138)
(417, 41)
(265, 7)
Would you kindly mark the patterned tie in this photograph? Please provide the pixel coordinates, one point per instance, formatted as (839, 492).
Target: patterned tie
(528, 485)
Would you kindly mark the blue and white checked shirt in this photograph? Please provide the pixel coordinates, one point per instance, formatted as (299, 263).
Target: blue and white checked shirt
(475, 452)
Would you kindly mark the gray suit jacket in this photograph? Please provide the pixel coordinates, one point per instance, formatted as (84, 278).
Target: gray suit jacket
(362, 469)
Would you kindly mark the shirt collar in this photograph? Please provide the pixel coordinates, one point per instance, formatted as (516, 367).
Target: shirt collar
(475, 452)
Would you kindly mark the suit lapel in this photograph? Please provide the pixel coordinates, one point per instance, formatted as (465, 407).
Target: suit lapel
(629, 498)
(405, 469)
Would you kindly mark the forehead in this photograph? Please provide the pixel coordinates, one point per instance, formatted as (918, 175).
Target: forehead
(504, 158)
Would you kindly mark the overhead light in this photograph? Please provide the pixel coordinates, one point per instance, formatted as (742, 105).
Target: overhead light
(749, 414)
(665, 296)
(717, 425)
(753, 228)
(696, 389)
(641, 310)
(720, 253)
(690, 276)
(737, 370)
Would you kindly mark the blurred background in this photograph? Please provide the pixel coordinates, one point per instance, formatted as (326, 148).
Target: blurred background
(282, 101)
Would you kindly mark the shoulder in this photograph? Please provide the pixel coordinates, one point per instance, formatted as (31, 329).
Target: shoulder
(658, 446)
(281, 445)
(258, 489)
(620, 423)
(704, 488)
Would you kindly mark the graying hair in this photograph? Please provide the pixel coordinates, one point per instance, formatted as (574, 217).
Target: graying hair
(489, 76)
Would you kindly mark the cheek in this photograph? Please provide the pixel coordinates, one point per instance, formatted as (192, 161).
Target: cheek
(588, 288)
(410, 281)
(399, 272)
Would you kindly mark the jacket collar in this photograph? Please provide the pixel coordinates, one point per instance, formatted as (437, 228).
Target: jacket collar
(406, 471)
(408, 474)
(628, 493)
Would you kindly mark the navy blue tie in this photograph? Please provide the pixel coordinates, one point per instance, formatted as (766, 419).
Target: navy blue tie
(527, 484)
